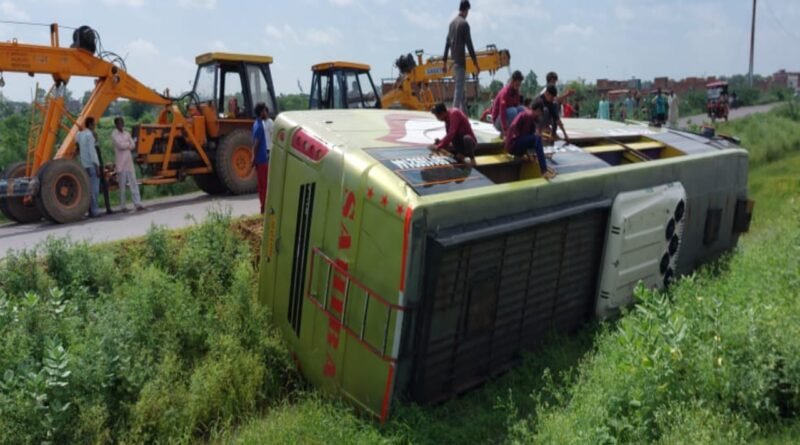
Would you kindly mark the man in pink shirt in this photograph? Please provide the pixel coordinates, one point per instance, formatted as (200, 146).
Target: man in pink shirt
(126, 175)
(508, 103)
(459, 140)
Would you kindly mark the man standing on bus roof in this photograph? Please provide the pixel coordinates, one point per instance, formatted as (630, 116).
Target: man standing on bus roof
(262, 135)
(458, 37)
(460, 139)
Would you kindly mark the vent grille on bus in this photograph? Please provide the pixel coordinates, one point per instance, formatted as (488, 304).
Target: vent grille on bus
(489, 300)
(305, 210)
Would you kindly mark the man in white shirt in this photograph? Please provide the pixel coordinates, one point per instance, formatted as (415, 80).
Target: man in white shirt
(126, 175)
(89, 161)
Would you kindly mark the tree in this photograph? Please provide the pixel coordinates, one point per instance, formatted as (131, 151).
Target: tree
(135, 110)
(495, 87)
(530, 86)
(290, 102)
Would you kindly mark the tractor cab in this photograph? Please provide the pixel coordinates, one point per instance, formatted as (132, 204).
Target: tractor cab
(342, 85)
(233, 84)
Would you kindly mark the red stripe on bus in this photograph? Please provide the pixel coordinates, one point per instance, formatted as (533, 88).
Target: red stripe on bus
(386, 394)
(406, 230)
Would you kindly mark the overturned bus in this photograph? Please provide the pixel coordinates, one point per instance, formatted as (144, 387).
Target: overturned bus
(395, 273)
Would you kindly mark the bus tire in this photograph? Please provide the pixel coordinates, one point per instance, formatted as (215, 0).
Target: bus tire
(16, 209)
(64, 192)
(234, 163)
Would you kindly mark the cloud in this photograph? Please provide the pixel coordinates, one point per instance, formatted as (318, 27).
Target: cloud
(129, 3)
(12, 12)
(315, 37)
(323, 37)
(623, 13)
(341, 2)
(208, 4)
(141, 47)
(573, 30)
(423, 19)
(218, 45)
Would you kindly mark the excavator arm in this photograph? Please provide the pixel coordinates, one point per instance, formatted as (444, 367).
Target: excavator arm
(412, 89)
(112, 83)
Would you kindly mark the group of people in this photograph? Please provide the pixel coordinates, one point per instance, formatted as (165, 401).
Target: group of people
(91, 160)
(523, 124)
(661, 109)
(124, 145)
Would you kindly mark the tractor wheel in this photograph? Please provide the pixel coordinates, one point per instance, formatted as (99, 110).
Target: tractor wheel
(210, 184)
(16, 209)
(64, 195)
(234, 163)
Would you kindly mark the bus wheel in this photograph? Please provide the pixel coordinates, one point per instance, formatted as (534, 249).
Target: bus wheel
(64, 195)
(234, 163)
(16, 209)
(210, 184)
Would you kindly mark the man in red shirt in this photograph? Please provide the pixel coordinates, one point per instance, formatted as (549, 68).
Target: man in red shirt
(459, 140)
(569, 111)
(508, 103)
(523, 135)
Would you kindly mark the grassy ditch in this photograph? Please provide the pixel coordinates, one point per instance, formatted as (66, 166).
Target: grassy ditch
(140, 342)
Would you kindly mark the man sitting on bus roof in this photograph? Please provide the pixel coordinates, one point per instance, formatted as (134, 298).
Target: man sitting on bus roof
(523, 134)
(459, 140)
(508, 103)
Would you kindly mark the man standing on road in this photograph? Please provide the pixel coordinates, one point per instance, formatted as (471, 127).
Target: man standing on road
(630, 107)
(89, 161)
(660, 105)
(262, 135)
(603, 108)
(126, 175)
(458, 37)
(673, 110)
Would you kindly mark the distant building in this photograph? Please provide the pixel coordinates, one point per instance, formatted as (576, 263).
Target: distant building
(787, 79)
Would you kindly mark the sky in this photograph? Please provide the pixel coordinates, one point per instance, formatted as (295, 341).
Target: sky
(580, 39)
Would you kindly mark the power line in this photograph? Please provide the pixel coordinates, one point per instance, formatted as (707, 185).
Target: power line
(778, 21)
(13, 22)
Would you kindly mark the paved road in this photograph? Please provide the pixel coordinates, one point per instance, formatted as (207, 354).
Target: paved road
(173, 213)
(733, 114)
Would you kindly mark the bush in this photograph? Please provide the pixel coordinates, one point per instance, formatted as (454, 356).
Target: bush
(155, 342)
(723, 348)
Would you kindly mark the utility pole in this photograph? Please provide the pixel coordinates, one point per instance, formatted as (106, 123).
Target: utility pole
(752, 45)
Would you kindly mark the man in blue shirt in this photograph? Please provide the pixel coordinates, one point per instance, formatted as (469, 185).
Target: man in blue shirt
(660, 103)
(262, 135)
(90, 161)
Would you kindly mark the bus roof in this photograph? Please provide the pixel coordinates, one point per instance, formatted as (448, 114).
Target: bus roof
(398, 142)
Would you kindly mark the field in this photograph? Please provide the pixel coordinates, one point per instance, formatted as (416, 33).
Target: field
(158, 340)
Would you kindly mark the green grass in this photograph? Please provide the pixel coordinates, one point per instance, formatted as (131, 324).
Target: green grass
(159, 341)
(768, 137)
